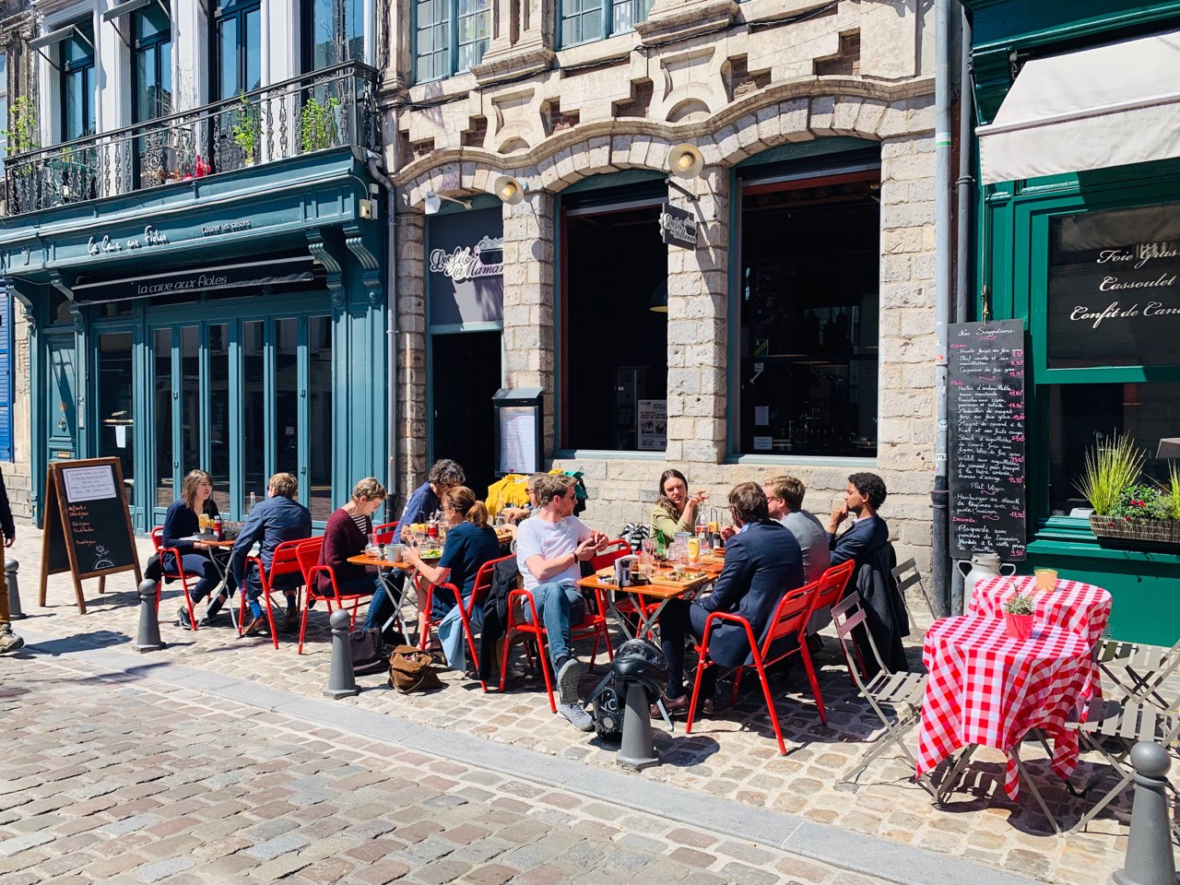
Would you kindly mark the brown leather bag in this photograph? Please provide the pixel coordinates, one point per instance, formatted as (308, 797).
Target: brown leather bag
(412, 670)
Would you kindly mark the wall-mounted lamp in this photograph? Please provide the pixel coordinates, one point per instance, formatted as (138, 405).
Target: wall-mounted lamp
(434, 202)
(659, 297)
(509, 189)
(685, 161)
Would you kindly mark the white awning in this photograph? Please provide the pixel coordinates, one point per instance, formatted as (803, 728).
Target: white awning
(1092, 109)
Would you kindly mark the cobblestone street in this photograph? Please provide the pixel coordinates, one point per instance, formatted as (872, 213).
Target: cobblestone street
(118, 780)
(884, 825)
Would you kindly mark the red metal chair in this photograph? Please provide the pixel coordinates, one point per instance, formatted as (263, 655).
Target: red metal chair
(789, 620)
(158, 543)
(284, 562)
(308, 554)
(593, 624)
(386, 532)
(483, 583)
(832, 585)
(630, 603)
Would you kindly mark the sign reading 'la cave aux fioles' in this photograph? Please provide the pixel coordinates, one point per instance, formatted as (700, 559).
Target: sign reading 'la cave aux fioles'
(1113, 304)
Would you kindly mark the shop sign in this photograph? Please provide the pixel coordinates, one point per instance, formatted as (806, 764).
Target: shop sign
(466, 267)
(106, 244)
(1114, 290)
(679, 227)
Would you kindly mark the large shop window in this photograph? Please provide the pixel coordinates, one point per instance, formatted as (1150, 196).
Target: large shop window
(615, 353)
(450, 36)
(585, 20)
(809, 301)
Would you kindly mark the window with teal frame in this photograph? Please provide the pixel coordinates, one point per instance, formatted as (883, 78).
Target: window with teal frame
(441, 50)
(583, 21)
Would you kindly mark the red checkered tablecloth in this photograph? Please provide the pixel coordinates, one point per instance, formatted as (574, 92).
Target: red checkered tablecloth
(1075, 606)
(989, 689)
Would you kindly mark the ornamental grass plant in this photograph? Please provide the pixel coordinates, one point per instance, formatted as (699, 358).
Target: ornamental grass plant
(1112, 466)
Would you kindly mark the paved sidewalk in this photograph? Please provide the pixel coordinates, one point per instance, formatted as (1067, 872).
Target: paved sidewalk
(730, 759)
(121, 779)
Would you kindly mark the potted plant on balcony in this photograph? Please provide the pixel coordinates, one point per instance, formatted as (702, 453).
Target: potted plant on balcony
(1125, 508)
(1018, 616)
(22, 131)
(247, 130)
(317, 124)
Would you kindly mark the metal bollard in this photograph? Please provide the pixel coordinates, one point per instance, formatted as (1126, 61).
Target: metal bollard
(1149, 848)
(341, 679)
(638, 750)
(148, 636)
(14, 610)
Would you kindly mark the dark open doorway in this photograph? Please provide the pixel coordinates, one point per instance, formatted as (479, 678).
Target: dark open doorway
(465, 373)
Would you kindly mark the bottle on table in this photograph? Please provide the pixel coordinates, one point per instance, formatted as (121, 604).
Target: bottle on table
(218, 528)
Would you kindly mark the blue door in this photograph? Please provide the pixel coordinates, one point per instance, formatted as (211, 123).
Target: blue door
(61, 410)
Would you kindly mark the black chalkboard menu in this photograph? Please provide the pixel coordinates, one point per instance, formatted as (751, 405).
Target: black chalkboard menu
(87, 524)
(985, 363)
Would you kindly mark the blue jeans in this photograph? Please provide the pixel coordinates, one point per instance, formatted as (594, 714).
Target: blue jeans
(381, 607)
(559, 604)
(200, 566)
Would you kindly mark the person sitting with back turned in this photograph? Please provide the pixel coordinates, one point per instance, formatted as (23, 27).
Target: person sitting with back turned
(762, 562)
(784, 499)
(181, 522)
(867, 542)
(271, 522)
(550, 546)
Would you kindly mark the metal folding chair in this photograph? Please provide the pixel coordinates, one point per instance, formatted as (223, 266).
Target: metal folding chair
(1146, 669)
(1125, 724)
(907, 575)
(901, 691)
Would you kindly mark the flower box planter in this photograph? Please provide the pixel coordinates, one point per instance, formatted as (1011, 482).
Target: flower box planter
(1152, 531)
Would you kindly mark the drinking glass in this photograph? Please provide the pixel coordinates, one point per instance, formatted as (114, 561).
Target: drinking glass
(648, 546)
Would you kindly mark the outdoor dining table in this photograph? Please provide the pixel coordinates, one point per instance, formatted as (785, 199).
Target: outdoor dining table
(986, 688)
(1075, 606)
(219, 553)
(385, 569)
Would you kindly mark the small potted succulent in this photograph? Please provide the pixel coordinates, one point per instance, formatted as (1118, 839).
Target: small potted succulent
(1018, 616)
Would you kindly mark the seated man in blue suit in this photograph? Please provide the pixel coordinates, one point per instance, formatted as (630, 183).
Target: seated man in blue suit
(277, 519)
(762, 562)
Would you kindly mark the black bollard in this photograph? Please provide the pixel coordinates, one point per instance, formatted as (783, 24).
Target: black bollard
(1149, 848)
(341, 679)
(14, 610)
(148, 636)
(638, 750)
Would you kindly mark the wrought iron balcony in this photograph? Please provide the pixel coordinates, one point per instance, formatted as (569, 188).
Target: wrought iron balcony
(330, 108)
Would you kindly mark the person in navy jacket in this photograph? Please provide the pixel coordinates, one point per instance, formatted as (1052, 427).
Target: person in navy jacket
(181, 522)
(277, 519)
(762, 562)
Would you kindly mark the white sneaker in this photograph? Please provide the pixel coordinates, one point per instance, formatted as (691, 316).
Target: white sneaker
(567, 682)
(10, 642)
(578, 717)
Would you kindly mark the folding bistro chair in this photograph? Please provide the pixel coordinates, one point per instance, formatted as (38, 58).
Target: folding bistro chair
(386, 532)
(158, 543)
(593, 624)
(1146, 669)
(907, 575)
(1125, 724)
(832, 584)
(284, 562)
(788, 621)
(901, 691)
(308, 552)
(483, 583)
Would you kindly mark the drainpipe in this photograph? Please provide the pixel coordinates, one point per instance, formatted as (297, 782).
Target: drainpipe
(965, 206)
(939, 497)
(390, 328)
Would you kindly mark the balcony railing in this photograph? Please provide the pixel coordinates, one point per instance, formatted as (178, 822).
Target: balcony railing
(329, 108)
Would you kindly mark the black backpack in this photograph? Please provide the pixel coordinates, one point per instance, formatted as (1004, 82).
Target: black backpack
(609, 707)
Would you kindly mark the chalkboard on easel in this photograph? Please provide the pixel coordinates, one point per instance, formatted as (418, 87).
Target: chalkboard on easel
(985, 370)
(87, 525)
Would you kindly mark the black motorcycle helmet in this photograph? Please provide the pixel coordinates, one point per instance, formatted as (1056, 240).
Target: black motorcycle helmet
(638, 660)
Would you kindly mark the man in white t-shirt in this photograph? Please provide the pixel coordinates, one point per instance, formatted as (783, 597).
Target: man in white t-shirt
(550, 546)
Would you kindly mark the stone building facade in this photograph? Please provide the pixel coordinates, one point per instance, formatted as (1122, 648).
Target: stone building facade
(736, 81)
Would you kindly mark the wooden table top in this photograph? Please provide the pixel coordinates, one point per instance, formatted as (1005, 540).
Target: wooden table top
(211, 542)
(660, 587)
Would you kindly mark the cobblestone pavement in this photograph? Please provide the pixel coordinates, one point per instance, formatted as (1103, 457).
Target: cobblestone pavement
(731, 756)
(118, 779)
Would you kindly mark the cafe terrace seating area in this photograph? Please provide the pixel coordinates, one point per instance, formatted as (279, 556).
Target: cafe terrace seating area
(906, 757)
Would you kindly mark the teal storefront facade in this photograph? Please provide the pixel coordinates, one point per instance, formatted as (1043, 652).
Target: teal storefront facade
(234, 322)
(1054, 250)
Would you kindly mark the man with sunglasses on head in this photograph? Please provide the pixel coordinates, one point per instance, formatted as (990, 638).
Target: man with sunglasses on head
(551, 545)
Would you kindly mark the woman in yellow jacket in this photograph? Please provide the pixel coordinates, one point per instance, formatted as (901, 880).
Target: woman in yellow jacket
(675, 510)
